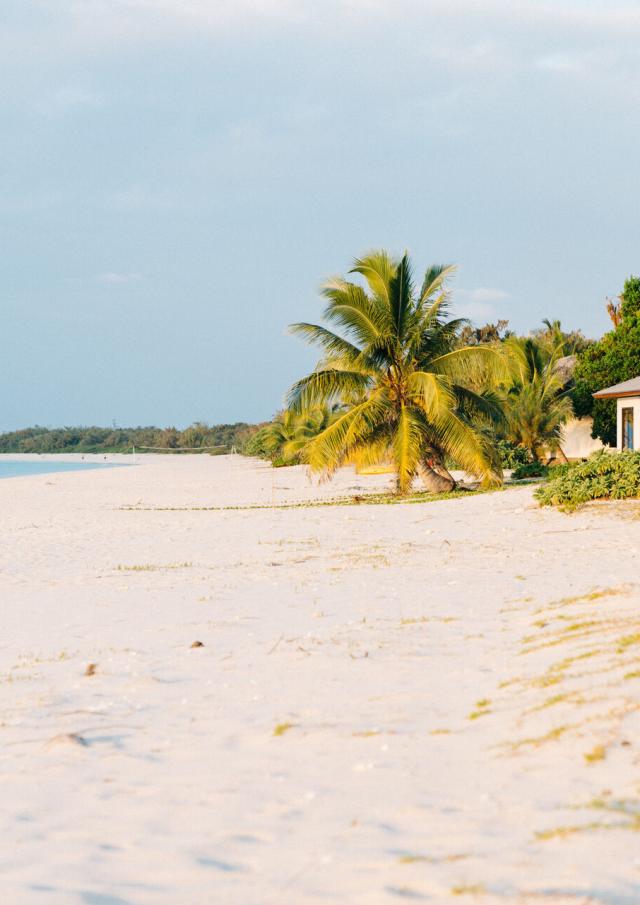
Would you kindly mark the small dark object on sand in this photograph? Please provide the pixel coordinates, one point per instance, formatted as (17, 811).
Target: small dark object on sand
(67, 739)
(197, 644)
(91, 669)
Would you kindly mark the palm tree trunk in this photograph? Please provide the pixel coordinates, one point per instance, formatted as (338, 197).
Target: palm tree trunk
(435, 477)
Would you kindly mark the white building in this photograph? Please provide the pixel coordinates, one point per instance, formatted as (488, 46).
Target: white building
(628, 397)
(577, 442)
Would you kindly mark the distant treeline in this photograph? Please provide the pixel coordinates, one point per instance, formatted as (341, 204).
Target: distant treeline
(123, 439)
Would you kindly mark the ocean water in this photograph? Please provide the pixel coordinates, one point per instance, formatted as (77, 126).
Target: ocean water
(11, 468)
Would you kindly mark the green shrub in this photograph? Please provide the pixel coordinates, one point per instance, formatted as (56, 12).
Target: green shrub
(604, 476)
(530, 470)
(511, 456)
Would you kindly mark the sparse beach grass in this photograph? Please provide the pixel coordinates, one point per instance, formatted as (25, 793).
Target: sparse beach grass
(367, 499)
(154, 567)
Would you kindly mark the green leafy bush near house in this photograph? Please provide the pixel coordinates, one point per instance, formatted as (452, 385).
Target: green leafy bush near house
(512, 456)
(604, 476)
(530, 470)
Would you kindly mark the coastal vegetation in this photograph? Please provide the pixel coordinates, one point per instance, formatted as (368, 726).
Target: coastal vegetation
(284, 439)
(401, 385)
(122, 440)
(408, 392)
(610, 360)
(535, 400)
(603, 476)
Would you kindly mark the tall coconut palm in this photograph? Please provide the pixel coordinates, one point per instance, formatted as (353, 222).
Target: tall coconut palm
(404, 385)
(535, 399)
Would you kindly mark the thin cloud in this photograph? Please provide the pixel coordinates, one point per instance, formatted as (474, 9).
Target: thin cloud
(482, 294)
(113, 278)
(477, 311)
(562, 63)
(479, 304)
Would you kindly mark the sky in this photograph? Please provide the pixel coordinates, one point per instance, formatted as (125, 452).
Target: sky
(178, 177)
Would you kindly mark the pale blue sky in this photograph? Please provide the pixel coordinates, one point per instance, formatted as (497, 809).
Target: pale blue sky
(177, 177)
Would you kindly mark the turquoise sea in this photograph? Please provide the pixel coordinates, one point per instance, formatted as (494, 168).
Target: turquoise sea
(10, 468)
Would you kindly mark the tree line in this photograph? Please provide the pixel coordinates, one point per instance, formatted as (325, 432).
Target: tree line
(123, 439)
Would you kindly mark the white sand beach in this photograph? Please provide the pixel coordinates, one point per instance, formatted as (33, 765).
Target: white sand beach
(424, 702)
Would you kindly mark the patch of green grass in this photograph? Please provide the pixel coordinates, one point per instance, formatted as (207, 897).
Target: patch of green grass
(628, 641)
(563, 832)
(578, 626)
(545, 681)
(565, 697)
(482, 709)
(507, 682)
(561, 665)
(281, 728)
(551, 736)
(598, 753)
(628, 807)
(598, 594)
(150, 567)
(633, 675)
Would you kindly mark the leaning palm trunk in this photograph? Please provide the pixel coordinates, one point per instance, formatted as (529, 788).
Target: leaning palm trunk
(436, 479)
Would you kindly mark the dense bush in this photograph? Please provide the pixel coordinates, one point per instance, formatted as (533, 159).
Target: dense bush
(604, 476)
(530, 470)
(511, 456)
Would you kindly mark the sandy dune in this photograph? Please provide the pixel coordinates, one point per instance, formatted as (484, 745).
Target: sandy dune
(425, 702)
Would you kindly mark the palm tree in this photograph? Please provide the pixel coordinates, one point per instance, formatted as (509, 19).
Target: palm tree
(283, 440)
(555, 340)
(404, 385)
(535, 400)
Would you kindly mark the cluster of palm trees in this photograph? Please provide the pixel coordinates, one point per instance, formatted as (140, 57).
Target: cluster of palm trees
(396, 383)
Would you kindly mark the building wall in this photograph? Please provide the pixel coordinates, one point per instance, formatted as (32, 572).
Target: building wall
(634, 403)
(577, 442)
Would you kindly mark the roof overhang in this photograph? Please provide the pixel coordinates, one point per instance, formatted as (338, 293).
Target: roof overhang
(605, 395)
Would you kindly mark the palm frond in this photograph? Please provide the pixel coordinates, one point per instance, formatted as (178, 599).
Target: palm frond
(330, 342)
(378, 268)
(325, 387)
(486, 406)
(473, 363)
(431, 393)
(434, 281)
(467, 446)
(350, 307)
(351, 430)
(400, 297)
